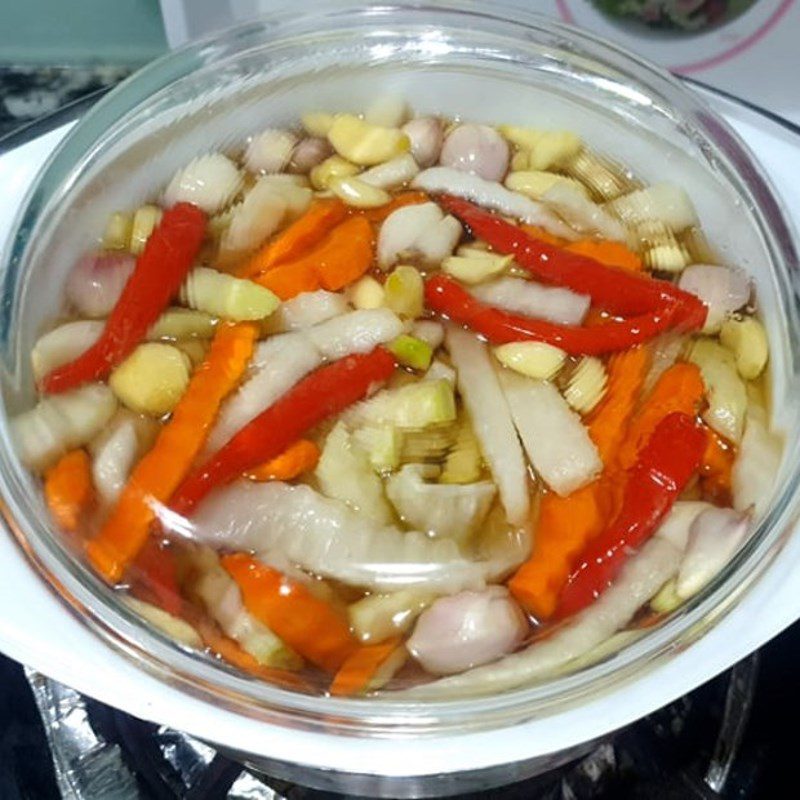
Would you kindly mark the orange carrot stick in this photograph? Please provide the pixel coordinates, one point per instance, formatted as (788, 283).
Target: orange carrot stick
(566, 524)
(358, 670)
(289, 280)
(303, 234)
(612, 254)
(679, 389)
(380, 213)
(162, 469)
(296, 459)
(310, 626)
(68, 489)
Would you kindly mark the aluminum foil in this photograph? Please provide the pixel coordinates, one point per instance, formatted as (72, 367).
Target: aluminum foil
(88, 767)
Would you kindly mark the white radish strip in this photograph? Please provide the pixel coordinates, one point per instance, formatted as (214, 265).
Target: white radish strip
(64, 344)
(113, 455)
(305, 310)
(556, 441)
(491, 420)
(279, 363)
(643, 575)
(453, 510)
(97, 280)
(477, 149)
(715, 536)
(61, 422)
(429, 331)
(582, 214)
(209, 182)
(392, 174)
(425, 135)
(356, 332)
(492, 195)
(520, 296)
(722, 289)
(755, 471)
(675, 528)
(466, 630)
(270, 150)
(327, 538)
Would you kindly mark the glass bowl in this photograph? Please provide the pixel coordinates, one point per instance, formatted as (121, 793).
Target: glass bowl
(456, 58)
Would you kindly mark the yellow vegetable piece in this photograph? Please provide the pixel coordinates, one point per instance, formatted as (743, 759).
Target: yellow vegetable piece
(222, 295)
(329, 170)
(667, 598)
(477, 267)
(366, 144)
(587, 385)
(604, 178)
(411, 351)
(195, 349)
(144, 221)
(463, 463)
(367, 293)
(534, 359)
(747, 340)
(359, 194)
(152, 378)
(117, 234)
(183, 323)
(318, 123)
(534, 183)
(404, 292)
(544, 148)
(727, 395)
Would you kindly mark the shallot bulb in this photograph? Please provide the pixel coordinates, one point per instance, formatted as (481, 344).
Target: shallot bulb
(309, 152)
(97, 280)
(425, 135)
(478, 149)
(270, 151)
(466, 630)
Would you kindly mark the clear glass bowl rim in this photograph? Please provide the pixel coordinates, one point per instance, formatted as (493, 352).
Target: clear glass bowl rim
(96, 606)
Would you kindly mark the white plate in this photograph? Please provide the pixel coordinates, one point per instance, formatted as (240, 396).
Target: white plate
(37, 629)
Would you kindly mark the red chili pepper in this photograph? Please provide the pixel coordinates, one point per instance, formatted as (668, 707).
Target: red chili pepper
(614, 289)
(160, 269)
(325, 392)
(445, 296)
(664, 466)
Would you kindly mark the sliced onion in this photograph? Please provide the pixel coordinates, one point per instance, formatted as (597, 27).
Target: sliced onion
(425, 135)
(466, 630)
(64, 344)
(327, 538)
(356, 332)
(491, 420)
(520, 296)
(755, 471)
(715, 536)
(278, 363)
(305, 310)
(477, 149)
(97, 280)
(556, 441)
(492, 195)
(582, 214)
(453, 510)
(722, 289)
(61, 422)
